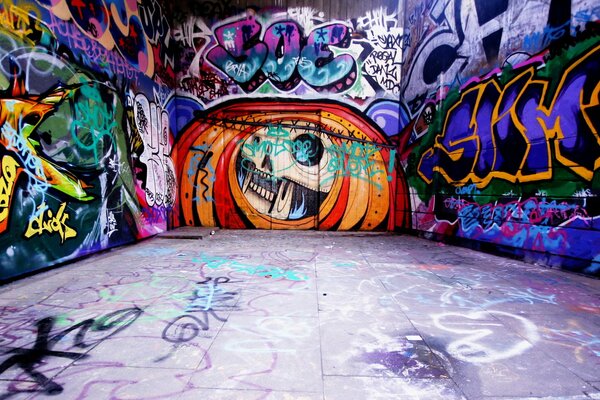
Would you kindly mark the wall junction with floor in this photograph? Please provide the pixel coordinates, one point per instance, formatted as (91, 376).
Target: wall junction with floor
(470, 121)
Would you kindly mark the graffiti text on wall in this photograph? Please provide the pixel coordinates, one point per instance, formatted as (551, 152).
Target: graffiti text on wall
(531, 211)
(388, 41)
(282, 57)
(75, 132)
(152, 124)
(51, 222)
(511, 132)
(134, 31)
(9, 173)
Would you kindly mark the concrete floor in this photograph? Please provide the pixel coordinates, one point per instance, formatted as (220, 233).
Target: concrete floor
(299, 315)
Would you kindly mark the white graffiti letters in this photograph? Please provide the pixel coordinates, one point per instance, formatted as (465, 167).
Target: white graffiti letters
(153, 124)
(486, 339)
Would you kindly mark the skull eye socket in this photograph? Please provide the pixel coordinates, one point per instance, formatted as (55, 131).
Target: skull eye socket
(307, 150)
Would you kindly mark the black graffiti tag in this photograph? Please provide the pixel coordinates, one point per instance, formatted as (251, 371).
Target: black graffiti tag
(207, 298)
(90, 332)
(186, 327)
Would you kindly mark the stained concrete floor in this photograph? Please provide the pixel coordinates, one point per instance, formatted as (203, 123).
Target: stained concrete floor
(299, 315)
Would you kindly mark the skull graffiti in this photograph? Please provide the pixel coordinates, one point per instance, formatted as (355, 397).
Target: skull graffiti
(429, 113)
(284, 172)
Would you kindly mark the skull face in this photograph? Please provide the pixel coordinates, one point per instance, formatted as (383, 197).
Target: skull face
(428, 113)
(280, 171)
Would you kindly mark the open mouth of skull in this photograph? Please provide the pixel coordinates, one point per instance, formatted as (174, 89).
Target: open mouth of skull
(267, 186)
(280, 175)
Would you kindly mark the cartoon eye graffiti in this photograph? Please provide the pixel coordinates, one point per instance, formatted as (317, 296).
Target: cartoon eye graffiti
(308, 150)
(300, 165)
(281, 172)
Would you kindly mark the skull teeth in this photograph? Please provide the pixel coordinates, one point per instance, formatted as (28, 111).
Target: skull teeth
(265, 193)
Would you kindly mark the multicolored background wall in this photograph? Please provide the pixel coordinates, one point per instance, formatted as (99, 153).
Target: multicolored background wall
(468, 121)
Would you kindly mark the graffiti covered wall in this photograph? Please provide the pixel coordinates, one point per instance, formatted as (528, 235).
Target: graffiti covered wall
(288, 119)
(460, 119)
(85, 140)
(503, 146)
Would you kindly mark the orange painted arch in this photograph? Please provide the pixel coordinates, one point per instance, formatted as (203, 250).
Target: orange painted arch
(210, 194)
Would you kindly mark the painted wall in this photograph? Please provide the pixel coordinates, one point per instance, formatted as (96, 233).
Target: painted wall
(465, 120)
(289, 119)
(85, 138)
(475, 123)
(503, 147)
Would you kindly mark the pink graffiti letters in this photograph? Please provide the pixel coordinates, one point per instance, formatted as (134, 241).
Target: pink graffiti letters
(281, 57)
(531, 211)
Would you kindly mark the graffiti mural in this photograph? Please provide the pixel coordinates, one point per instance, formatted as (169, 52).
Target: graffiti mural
(509, 151)
(482, 104)
(323, 158)
(454, 40)
(281, 58)
(465, 119)
(291, 165)
(297, 51)
(509, 133)
(84, 154)
(132, 29)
